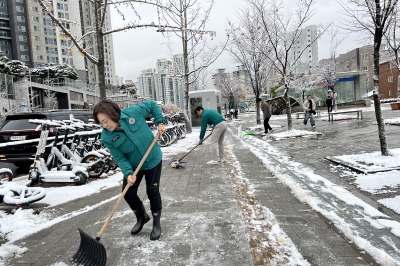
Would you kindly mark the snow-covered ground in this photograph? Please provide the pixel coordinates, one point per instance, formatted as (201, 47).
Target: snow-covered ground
(312, 188)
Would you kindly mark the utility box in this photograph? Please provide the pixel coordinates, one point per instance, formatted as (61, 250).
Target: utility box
(208, 99)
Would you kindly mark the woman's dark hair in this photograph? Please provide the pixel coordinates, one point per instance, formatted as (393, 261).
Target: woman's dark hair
(198, 108)
(258, 100)
(108, 108)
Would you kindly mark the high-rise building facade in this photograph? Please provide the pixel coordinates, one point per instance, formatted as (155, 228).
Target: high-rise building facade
(305, 50)
(28, 34)
(164, 83)
(88, 20)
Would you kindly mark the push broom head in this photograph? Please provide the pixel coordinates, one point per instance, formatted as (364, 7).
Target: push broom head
(176, 164)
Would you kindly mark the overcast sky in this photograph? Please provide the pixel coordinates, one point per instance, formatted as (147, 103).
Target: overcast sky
(136, 50)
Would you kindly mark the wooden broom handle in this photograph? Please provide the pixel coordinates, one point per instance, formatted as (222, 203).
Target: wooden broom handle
(194, 147)
(127, 187)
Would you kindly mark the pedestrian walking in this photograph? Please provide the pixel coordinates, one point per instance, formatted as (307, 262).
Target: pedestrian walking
(236, 113)
(309, 107)
(127, 136)
(213, 118)
(329, 104)
(266, 109)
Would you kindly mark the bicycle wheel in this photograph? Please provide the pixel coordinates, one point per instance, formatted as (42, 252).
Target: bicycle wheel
(6, 176)
(22, 195)
(163, 140)
(96, 172)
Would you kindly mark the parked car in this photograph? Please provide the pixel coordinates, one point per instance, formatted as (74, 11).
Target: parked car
(19, 138)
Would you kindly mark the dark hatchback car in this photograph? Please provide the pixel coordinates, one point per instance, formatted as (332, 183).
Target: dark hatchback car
(19, 138)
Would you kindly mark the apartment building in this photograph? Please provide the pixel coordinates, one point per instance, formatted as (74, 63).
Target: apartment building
(164, 83)
(88, 20)
(28, 34)
(305, 50)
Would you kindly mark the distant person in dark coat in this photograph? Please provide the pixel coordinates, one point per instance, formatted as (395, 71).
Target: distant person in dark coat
(266, 109)
(329, 104)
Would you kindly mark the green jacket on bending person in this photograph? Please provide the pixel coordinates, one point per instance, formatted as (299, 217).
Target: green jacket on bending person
(129, 142)
(209, 117)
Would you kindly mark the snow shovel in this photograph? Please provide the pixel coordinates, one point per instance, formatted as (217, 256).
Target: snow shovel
(177, 163)
(91, 251)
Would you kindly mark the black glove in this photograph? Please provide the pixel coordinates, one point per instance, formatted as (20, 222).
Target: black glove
(200, 142)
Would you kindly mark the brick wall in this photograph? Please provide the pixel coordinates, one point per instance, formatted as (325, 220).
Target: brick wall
(388, 87)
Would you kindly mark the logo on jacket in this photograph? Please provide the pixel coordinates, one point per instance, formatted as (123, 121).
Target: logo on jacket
(115, 138)
(131, 121)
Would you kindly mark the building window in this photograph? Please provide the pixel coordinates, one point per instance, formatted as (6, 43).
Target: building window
(2, 5)
(51, 50)
(21, 18)
(34, 1)
(39, 47)
(5, 43)
(4, 24)
(52, 59)
(4, 34)
(25, 57)
(367, 79)
(365, 68)
(35, 9)
(23, 48)
(19, 1)
(36, 28)
(47, 21)
(22, 28)
(38, 38)
(19, 9)
(3, 15)
(49, 31)
(390, 79)
(389, 65)
(365, 56)
(39, 57)
(6, 51)
(50, 40)
(390, 92)
(22, 38)
(34, 18)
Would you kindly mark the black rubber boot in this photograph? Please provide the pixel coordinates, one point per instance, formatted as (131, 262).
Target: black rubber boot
(156, 232)
(142, 218)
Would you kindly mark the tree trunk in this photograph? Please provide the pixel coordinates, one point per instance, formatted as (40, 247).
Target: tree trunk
(288, 111)
(377, 103)
(100, 48)
(186, 74)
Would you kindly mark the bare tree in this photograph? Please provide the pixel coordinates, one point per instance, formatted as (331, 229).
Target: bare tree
(223, 82)
(183, 14)
(303, 84)
(328, 71)
(50, 100)
(393, 41)
(282, 30)
(246, 41)
(371, 18)
(99, 30)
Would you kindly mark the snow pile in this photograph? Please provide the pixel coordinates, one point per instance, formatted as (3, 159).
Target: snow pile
(378, 183)
(373, 161)
(294, 133)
